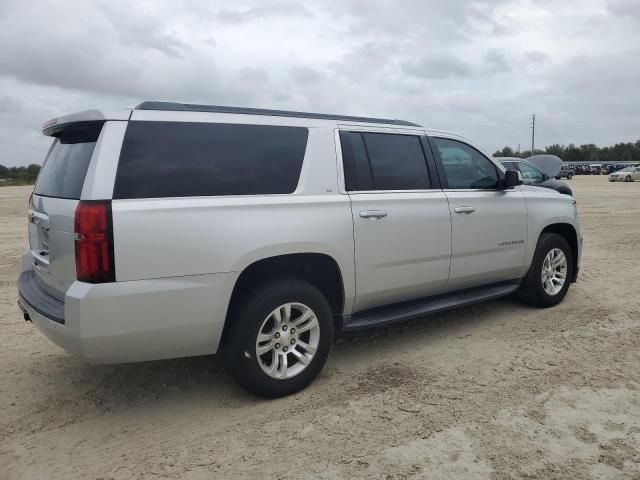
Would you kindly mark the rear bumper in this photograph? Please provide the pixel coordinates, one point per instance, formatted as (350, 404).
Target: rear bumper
(37, 300)
(137, 320)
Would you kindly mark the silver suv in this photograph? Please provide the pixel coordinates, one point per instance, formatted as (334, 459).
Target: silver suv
(173, 230)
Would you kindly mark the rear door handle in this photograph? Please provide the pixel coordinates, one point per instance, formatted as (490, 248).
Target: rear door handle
(464, 209)
(377, 214)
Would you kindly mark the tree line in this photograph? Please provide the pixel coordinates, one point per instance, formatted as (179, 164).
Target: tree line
(620, 152)
(19, 175)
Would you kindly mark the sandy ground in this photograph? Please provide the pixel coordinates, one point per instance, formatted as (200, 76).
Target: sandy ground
(494, 391)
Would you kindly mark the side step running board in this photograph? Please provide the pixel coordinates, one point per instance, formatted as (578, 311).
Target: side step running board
(380, 316)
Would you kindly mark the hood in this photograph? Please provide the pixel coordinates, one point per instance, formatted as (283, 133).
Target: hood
(550, 165)
(540, 189)
(552, 182)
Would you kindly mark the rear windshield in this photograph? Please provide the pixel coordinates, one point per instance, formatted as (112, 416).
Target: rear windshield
(64, 169)
(186, 159)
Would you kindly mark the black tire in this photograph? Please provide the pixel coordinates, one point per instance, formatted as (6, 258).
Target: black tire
(532, 291)
(569, 177)
(627, 178)
(239, 349)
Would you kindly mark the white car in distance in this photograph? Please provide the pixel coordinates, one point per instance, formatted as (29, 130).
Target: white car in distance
(627, 174)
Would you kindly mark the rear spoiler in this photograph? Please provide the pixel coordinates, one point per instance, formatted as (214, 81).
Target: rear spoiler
(52, 127)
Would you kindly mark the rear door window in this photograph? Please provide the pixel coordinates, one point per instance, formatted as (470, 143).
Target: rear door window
(383, 161)
(65, 168)
(357, 171)
(181, 159)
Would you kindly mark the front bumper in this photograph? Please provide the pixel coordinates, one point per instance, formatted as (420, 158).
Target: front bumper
(137, 320)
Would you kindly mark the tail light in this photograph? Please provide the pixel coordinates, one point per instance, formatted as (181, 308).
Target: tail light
(93, 235)
(31, 198)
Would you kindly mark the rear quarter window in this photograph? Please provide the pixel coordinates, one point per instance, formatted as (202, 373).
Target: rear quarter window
(180, 159)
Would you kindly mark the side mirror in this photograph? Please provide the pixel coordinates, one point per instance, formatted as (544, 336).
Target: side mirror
(512, 178)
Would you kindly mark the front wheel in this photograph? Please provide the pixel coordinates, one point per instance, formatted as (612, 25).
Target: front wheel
(550, 274)
(279, 339)
(627, 178)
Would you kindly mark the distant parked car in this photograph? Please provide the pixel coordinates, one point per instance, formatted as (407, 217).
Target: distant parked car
(566, 171)
(628, 174)
(614, 167)
(532, 175)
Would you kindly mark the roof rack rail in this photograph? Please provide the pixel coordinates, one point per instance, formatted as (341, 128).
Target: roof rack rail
(189, 107)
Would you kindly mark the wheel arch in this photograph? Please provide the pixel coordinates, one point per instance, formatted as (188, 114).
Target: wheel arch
(569, 233)
(319, 269)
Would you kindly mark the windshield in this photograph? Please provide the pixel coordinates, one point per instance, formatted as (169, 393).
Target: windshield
(626, 169)
(529, 172)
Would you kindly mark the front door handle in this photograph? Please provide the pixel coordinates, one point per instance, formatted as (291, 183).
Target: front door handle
(377, 214)
(464, 210)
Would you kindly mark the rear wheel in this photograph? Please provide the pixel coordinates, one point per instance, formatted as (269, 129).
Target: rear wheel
(550, 274)
(280, 338)
(627, 178)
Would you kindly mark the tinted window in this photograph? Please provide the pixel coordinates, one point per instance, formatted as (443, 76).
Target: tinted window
(510, 166)
(174, 159)
(397, 161)
(357, 172)
(383, 161)
(65, 168)
(530, 173)
(465, 167)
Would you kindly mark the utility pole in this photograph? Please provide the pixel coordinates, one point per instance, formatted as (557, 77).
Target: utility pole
(533, 133)
(518, 150)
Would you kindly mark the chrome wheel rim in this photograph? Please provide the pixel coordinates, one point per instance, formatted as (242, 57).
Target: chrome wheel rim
(287, 340)
(554, 271)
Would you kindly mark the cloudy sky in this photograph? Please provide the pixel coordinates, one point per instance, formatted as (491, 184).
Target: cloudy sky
(478, 68)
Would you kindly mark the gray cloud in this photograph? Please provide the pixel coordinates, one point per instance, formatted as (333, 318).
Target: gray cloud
(438, 67)
(629, 9)
(10, 104)
(303, 75)
(278, 9)
(476, 67)
(496, 61)
(138, 31)
(536, 57)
